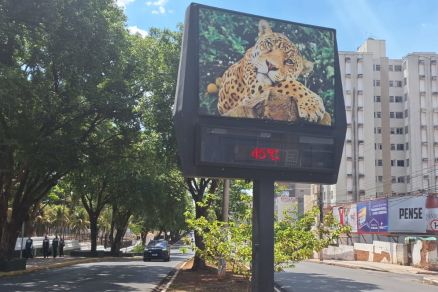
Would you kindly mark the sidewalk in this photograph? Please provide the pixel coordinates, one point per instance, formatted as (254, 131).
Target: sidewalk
(431, 278)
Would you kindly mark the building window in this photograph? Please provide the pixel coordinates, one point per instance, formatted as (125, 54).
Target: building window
(392, 162)
(391, 83)
(397, 68)
(399, 115)
(406, 115)
(401, 179)
(399, 131)
(376, 67)
(391, 115)
(377, 98)
(401, 163)
(407, 162)
(392, 130)
(379, 178)
(406, 97)
(377, 115)
(391, 99)
(398, 83)
(376, 83)
(379, 162)
(393, 179)
(392, 146)
(406, 127)
(398, 99)
(407, 148)
(391, 68)
(408, 179)
(405, 81)
(400, 147)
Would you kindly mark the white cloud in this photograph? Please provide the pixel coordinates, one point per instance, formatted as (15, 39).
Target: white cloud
(157, 3)
(136, 30)
(123, 3)
(159, 6)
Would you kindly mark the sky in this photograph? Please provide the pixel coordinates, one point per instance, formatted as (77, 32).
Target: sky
(406, 25)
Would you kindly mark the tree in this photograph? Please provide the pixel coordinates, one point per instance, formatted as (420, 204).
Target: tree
(296, 238)
(62, 75)
(197, 188)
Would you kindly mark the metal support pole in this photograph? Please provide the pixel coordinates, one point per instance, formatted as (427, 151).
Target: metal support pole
(263, 236)
(226, 200)
(321, 217)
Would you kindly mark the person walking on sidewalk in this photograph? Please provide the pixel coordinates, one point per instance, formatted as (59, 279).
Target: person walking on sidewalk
(28, 246)
(46, 245)
(61, 247)
(55, 243)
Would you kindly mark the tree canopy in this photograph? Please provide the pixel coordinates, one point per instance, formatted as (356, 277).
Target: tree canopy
(77, 93)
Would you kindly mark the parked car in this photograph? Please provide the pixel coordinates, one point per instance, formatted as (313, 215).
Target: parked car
(157, 249)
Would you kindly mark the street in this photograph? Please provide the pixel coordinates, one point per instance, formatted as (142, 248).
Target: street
(308, 276)
(121, 275)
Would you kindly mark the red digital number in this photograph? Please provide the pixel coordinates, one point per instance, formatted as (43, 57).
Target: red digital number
(265, 153)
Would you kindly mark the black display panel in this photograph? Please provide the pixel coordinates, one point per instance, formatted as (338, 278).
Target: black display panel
(267, 133)
(264, 149)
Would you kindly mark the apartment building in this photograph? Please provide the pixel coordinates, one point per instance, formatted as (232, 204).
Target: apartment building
(391, 145)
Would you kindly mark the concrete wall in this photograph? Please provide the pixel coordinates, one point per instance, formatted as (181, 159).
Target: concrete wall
(378, 251)
(425, 254)
(38, 243)
(341, 252)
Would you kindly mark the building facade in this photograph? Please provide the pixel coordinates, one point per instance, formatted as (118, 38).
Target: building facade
(391, 145)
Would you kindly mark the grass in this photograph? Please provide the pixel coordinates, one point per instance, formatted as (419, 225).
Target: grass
(207, 280)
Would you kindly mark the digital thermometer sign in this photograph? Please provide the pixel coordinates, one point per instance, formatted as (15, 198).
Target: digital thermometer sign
(225, 133)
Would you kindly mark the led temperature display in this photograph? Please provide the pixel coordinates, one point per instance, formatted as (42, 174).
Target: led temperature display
(264, 149)
(259, 153)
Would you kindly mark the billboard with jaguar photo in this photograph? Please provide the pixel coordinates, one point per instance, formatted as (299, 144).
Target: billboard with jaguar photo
(253, 67)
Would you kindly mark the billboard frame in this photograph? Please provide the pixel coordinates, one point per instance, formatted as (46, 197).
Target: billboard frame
(188, 118)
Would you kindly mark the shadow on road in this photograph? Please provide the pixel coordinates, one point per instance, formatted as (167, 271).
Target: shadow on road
(300, 282)
(124, 276)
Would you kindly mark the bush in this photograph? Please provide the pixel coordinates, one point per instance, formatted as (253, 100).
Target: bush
(139, 248)
(295, 239)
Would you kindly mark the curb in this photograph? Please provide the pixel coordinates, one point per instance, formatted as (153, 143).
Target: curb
(277, 288)
(430, 281)
(53, 266)
(354, 267)
(173, 276)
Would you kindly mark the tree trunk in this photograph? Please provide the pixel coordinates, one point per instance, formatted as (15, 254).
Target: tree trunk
(121, 225)
(143, 238)
(10, 233)
(93, 232)
(197, 190)
(199, 263)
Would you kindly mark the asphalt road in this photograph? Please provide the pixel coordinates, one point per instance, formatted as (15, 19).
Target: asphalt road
(121, 275)
(320, 277)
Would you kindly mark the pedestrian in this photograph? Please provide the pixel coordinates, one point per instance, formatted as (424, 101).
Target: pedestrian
(61, 247)
(46, 245)
(28, 246)
(55, 244)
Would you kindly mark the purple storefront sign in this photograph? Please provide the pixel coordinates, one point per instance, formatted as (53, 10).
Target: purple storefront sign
(372, 216)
